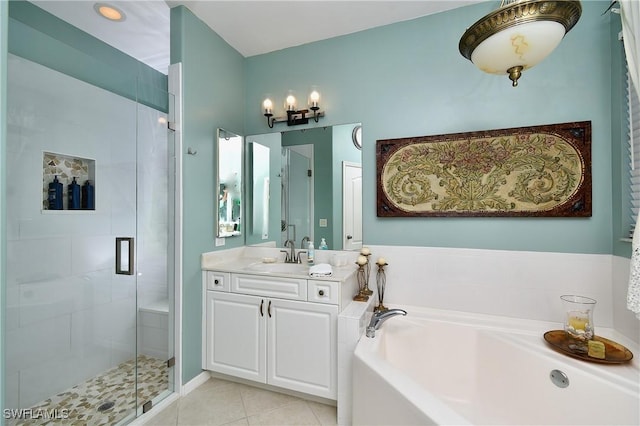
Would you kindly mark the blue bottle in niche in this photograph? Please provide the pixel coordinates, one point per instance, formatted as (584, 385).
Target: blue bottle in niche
(74, 195)
(55, 194)
(88, 196)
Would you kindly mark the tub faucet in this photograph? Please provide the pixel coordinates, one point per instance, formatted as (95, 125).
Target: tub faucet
(381, 316)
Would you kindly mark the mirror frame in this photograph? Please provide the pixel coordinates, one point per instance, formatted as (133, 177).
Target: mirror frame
(225, 135)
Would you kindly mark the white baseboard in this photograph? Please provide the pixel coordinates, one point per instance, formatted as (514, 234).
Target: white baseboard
(195, 382)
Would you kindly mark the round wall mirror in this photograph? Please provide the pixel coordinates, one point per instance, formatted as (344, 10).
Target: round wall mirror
(356, 136)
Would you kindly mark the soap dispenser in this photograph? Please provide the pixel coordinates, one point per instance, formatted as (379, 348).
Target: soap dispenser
(323, 245)
(310, 253)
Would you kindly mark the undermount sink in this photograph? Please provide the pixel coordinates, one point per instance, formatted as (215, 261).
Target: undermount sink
(279, 268)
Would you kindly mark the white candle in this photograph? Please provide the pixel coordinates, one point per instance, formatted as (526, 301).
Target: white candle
(381, 261)
(365, 251)
(361, 260)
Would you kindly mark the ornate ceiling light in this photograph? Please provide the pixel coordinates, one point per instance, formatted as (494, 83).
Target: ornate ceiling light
(518, 35)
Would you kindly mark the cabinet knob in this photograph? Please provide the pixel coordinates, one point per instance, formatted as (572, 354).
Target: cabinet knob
(216, 282)
(321, 292)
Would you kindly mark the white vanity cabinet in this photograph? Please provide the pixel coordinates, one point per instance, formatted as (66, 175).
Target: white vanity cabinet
(302, 347)
(276, 330)
(236, 337)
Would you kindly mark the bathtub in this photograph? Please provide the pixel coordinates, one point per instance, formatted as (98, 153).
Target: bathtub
(443, 367)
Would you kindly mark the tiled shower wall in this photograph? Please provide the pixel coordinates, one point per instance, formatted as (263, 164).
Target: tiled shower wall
(69, 317)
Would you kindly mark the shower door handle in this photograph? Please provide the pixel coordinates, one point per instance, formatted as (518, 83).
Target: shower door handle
(124, 255)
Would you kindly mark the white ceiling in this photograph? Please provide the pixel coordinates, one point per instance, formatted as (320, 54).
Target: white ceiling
(250, 27)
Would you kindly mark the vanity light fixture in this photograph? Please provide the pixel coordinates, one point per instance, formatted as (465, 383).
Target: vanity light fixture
(294, 116)
(518, 35)
(110, 12)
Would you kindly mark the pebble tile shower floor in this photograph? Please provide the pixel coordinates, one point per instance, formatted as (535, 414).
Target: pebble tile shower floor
(113, 386)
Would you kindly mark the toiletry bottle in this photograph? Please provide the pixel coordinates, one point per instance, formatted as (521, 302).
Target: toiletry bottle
(88, 196)
(74, 195)
(55, 194)
(323, 245)
(310, 253)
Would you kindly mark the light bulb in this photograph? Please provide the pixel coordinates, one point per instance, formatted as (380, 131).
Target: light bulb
(268, 106)
(314, 98)
(290, 103)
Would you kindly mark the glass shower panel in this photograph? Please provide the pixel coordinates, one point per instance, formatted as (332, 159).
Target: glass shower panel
(155, 247)
(297, 196)
(71, 320)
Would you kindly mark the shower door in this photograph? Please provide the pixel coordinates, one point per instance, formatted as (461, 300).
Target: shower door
(297, 193)
(85, 280)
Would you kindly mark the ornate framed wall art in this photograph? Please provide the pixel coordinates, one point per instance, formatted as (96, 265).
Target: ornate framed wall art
(525, 171)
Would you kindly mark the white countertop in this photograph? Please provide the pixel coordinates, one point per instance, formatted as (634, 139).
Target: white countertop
(247, 260)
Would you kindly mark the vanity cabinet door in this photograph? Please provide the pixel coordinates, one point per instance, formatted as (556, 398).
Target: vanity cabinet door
(302, 347)
(236, 335)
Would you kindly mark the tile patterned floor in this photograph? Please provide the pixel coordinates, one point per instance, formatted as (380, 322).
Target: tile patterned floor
(220, 402)
(116, 385)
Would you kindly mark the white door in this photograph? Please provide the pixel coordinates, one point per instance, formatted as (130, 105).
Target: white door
(351, 206)
(236, 338)
(302, 347)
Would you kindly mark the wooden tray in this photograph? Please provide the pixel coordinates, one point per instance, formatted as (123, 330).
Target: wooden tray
(615, 353)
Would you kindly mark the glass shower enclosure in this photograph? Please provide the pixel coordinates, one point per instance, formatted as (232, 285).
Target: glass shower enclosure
(89, 297)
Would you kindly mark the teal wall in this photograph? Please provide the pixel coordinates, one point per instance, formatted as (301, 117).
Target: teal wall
(4, 19)
(213, 93)
(320, 138)
(37, 35)
(408, 79)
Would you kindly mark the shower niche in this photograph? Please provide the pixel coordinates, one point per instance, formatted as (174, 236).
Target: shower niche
(58, 190)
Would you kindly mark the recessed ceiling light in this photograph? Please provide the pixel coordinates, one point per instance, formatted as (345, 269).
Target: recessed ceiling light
(109, 12)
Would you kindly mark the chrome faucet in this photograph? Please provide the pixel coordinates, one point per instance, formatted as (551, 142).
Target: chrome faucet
(305, 240)
(291, 255)
(381, 316)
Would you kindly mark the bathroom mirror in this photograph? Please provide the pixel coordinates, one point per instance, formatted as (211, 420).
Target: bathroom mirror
(260, 189)
(229, 184)
(315, 187)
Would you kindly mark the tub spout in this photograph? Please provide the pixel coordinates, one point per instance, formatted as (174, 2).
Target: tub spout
(379, 317)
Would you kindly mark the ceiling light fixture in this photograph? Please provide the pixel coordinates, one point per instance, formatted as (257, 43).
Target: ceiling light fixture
(294, 116)
(518, 35)
(109, 12)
